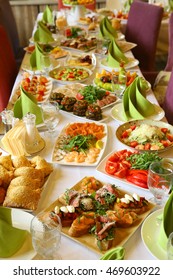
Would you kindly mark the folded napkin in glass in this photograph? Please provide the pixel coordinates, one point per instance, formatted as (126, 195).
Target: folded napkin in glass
(114, 254)
(135, 104)
(48, 15)
(167, 223)
(115, 55)
(27, 103)
(43, 34)
(11, 238)
(107, 30)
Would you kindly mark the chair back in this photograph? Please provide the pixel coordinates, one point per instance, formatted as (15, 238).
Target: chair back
(143, 27)
(8, 69)
(8, 21)
(169, 64)
(88, 6)
(168, 101)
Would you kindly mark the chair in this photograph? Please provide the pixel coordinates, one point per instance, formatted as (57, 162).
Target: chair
(8, 69)
(168, 101)
(8, 21)
(143, 27)
(89, 6)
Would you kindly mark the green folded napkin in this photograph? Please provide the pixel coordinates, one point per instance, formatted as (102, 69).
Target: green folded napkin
(135, 104)
(115, 55)
(107, 30)
(167, 223)
(127, 5)
(11, 238)
(27, 103)
(35, 58)
(170, 5)
(48, 15)
(114, 254)
(42, 34)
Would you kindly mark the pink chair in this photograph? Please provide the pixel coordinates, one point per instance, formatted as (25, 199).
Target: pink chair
(168, 101)
(8, 69)
(169, 63)
(89, 6)
(143, 27)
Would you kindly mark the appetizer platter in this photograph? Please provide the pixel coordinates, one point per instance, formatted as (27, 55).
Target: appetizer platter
(81, 96)
(132, 62)
(74, 32)
(87, 61)
(39, 86)
(23, 180)
(69, 74)
(81, 44)
(143, 135)
(80, 144)
(54, 51)
(128, 166)
(99, 215)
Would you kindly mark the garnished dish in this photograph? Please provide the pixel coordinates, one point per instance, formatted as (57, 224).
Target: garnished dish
(80, 144)
(130, 167)
(55, 51)
(104, 79)
(88, 61)
(37, 85)
(82, 44)
(145, 135)
(67, 74)
(22, 181)
(99, 215)
(74, 32)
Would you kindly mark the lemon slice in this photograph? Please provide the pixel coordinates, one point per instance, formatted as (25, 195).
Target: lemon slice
(99, 144)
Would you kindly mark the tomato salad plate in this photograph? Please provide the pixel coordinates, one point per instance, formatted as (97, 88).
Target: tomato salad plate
(143, 135)
(80, 144)
(128, 166)
(99, 215)
(67, 74)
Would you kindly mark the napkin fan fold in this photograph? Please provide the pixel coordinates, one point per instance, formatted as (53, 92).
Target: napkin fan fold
(43, 34)
(48, 15)
(115, 55)
(107, 30)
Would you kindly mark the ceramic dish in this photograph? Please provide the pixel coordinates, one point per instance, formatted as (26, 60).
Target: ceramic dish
(101, 168)
(116, 113)
(156, 125)
(121, 236)
(58, 155)
(132, 63)
(150, 233)
(56, 74)
(83, 60)
(22, 220)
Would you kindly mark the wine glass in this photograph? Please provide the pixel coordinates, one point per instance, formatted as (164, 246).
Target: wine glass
(46, 236)
(50, 114)
(170, 247)
(160, 179)
(47, 63)
(119, 83)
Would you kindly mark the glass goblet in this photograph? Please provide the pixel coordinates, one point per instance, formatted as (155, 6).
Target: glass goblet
(160, 179)
(50, 114)
(47, 63)
(119, 84)
(46, 236)
(170, 247)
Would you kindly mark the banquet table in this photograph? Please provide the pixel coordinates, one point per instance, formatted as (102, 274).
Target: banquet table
(64, 177)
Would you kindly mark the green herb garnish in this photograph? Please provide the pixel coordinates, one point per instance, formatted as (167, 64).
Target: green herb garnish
(92, 93)
(142, 161)
(80, 143)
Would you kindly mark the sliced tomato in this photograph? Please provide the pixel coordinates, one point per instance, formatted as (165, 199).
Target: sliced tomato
(166, 143)
(79, 96)
(110, 168)
(137, 182)
(169, 136)
(133, 144)
(125, 134)
(138, 177)
(164, 130)
(114, 157)
(133, 127)
(147, 146)
(121, 173)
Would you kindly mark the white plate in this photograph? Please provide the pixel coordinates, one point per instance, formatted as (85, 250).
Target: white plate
(121, 36)
(132, 63)
(126, 46)
(47, 93)
(101, 168)
(22, 220)
(104, 117)
(150, 233)
(70, 82)
(63, 162)
(116, 113)
(75, 57)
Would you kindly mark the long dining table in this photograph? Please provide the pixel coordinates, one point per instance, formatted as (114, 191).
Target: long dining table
(66, 176)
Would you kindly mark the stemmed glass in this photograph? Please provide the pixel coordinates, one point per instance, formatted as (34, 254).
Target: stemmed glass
(160, 179)
(46, 236)
(119, 83)
(170, 247)
(50, 114)
(47, 63)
